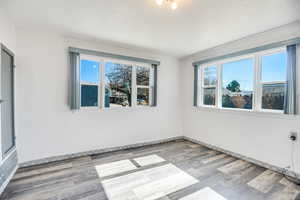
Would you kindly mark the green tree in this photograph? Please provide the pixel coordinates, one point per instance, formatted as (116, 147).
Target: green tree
(234, 86)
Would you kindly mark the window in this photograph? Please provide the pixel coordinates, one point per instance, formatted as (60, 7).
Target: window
(118, 85)
(254, 82)
(89, 82)
(106, 83)
(143, 86)
(209, 85)
(273, 80)
(237, 84)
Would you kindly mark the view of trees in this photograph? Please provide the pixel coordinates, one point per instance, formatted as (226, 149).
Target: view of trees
(209, 96)
(142, 80)
(235, 98)
(273, 96)
(118, 91)
(234, 86)
(142, 76)
(118, 84)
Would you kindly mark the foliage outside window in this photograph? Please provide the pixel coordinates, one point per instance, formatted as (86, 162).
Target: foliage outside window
(237, 85)
(254, 82)
(118, 81)
(143, 86)
(209, 85)
(109, 84)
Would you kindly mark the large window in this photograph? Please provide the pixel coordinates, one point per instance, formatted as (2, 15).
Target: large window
(108, 83)
(253, 82)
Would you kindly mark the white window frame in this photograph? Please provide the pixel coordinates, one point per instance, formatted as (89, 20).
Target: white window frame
(100, 61)
(203, 86)
(261, 82)
(249, 56)
(257, 81)
(144, 86)
(101, 85)
(133, 92)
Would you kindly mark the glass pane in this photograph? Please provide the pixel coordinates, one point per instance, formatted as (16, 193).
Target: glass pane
(142, 76)
(118, 78)
(237, 85)
(209, 96)
(143, 96)
(274, 67)
(273, 96)
(210, 75)
(89, 71)
(89, 95)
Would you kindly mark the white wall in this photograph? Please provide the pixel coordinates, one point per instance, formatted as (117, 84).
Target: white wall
(260, 136)
(7, 32)
(47, 127)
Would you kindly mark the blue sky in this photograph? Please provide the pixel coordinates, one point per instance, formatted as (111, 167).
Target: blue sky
(241, 71)
(274, 67)
(89, 71)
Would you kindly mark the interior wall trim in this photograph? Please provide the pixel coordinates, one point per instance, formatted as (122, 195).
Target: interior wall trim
(93, 152)
(248, 159)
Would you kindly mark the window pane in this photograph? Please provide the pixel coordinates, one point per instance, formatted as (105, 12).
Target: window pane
(142, 76)
(209, 96)
(210, 75)
(143, 96)
(237, 86)
(89, 71)
(274, 67)
(89, 95)
(273, 96)
(118, 78)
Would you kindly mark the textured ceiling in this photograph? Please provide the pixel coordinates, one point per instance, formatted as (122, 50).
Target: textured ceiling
(196, 24)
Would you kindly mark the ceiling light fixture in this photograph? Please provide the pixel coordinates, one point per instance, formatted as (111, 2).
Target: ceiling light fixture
(173, 4)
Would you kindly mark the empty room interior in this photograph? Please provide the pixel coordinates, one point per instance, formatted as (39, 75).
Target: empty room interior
(150, 100)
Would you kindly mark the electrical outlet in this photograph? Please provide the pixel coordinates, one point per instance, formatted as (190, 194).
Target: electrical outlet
(293, 136)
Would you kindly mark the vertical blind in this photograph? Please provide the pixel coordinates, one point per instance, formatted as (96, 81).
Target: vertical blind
(75, 80)
(290, 90)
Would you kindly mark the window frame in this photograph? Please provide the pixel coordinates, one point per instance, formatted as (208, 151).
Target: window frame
(101, 86)
(151, 75)
(100, 61)
(257, 81)
(235, 59)
(203, 86)
(261, 82)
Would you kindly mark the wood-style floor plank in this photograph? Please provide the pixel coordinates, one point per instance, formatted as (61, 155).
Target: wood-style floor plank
(77, 179)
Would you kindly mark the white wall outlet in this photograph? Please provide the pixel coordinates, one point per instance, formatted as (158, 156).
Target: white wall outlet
(293, 136)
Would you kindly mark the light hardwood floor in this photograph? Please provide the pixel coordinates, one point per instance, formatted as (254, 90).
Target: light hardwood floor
(193, 172)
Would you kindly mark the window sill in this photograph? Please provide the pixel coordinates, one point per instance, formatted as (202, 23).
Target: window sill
(244, 112)
(97, 109)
